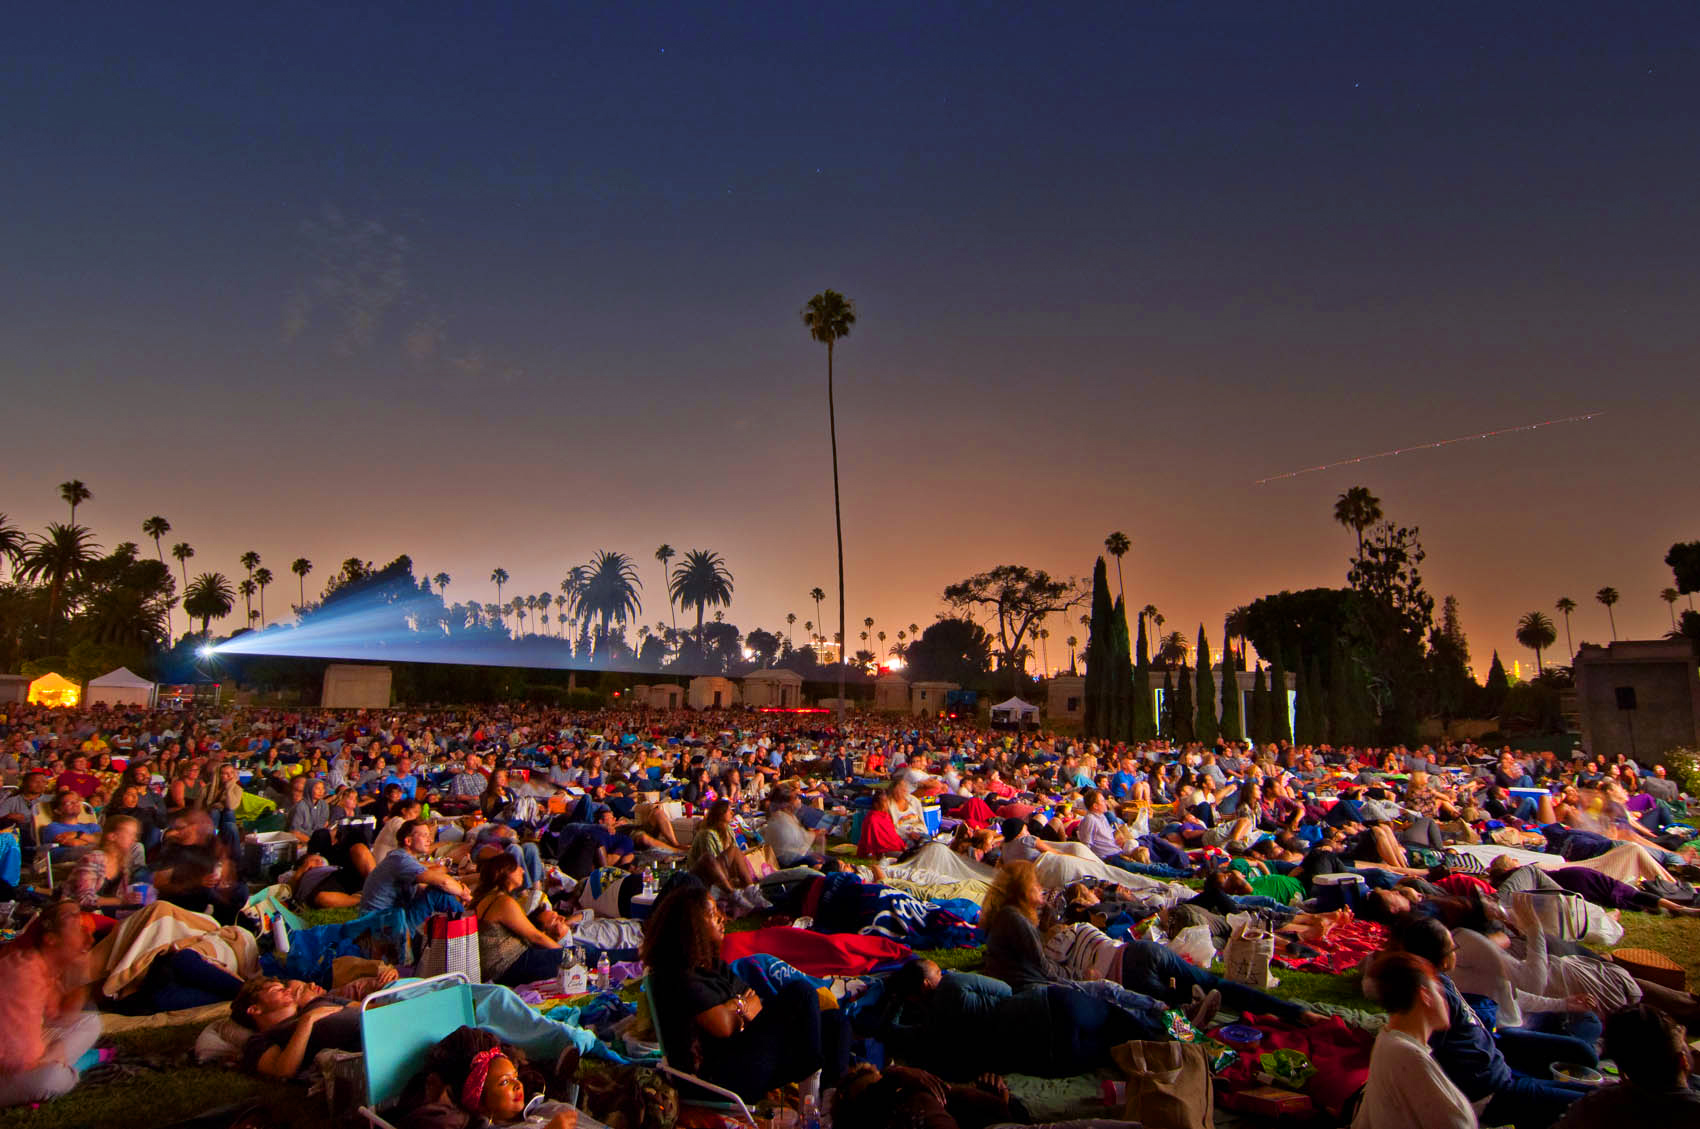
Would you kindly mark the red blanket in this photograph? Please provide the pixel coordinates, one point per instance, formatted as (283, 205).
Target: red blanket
(1340, 1054)
(879, 836)
(1344, 948)
(818, 954)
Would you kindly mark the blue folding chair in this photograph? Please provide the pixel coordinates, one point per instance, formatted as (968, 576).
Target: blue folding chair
(731, 1101)
(398, 1025)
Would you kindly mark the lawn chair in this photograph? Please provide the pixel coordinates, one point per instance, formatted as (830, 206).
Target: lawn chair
(43, 816)
(730, 1101)
(398, 1025)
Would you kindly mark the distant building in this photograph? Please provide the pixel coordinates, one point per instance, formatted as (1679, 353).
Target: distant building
(14, 689)
(661, 696)
(355, 686)
(927, 699)
(712, 693)
(773, 689)
(1065, 698)
(891, 693)
(1638, 697)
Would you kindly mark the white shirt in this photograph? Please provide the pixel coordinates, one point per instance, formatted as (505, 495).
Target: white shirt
(1407, 1089)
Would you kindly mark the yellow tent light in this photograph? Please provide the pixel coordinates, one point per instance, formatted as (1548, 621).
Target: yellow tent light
(54, 690)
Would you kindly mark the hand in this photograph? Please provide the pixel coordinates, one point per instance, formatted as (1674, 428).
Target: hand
(994, 1085)
(565, 1119)
(1312, 1018)
(1582, 1001)
(752, 1005)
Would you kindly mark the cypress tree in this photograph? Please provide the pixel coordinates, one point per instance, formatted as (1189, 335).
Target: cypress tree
(1280, 706)
(1185, 734)
(1121, 669)
(1260, 708)
(1166, 721)
(1096, 708)
(1304, 720)
(1498, 686)
(1204, 696)
(1144, 724)
(1347, 719)
(1318, 698)
(1233, 728)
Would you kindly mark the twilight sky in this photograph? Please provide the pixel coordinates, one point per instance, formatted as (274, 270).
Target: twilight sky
(503, 285)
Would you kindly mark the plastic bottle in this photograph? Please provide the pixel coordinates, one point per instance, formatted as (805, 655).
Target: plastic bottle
(603, 977)
(809, 1117)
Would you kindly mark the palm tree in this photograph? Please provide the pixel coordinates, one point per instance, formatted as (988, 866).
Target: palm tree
(156, 527)
(809, 630)
(869, 624)
(1157, 622)
(74, 493)
(702, 581)
(1357, 509)
(1174, 649)
(561, 609)
(1536, 632)
(301, 566)
(59, 557)
(607, 590)
(914, 631)
(817, 596)
(882, 642)
(529, 606)
(1045, 651)
(1148, 613)
(664, 554)
(1671, 596)
(1117, 545)
(1072, 644)
(262, 577)
(247, 588)
(250, 561)
(12, 542)
(828, 318)
(181, 552)
(441, 580)
(1236, 625)
(209, 597)
(1608, 597)
(1564, 607)
(499, 577)
(790, 622)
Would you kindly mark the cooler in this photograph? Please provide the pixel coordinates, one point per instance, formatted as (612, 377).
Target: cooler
(1339, 891)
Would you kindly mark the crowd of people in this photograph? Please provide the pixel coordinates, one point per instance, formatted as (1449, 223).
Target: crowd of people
(1486, 882)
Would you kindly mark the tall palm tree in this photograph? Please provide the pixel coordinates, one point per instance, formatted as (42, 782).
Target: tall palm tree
(1564, 607)
(1236, 625)
(817, 595)
(1536, 632)
(664, 554)
(210, 597)
(301, 566)
(1357, 509)
(914, 631)
(441, 580)
(560, 608)
(790, 622)
(247, 588)
(499, 577)
(74, 493)
(181, 552)
(1149, 614)
(882, 642)
(59, 556)
(869, 624)
(809, 630)
(1608, 597)
(1045, 651)
(702, 581)
(12, 542)
(1670, 596)
(828, 318)
(1072, 644)
(1117, 545)
(262, 577)
(156, 527)
(607, 590)
(530, 606)
(250, 561)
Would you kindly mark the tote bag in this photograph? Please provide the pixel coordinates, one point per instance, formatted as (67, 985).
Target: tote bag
(1168, 1085)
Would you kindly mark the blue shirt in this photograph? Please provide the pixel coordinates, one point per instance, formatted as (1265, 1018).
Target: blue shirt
(393, 882)
(409, 783)
(1466, 1051)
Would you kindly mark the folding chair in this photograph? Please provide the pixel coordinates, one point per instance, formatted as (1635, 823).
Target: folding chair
(398, 1025)
(732, 1101)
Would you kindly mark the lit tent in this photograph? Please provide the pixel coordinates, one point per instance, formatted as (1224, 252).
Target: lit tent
(54, 690)
(1015, 712)
(121, 688)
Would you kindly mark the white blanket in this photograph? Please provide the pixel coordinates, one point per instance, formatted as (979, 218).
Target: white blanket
(937, 865)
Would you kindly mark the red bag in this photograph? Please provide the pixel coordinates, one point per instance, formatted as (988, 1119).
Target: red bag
(451, 945)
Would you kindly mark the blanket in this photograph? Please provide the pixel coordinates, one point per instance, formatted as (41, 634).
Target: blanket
(1344, 948)
(843, 903)
(1339, 1052)
(121, 961)
(818, 954)
(383, 935)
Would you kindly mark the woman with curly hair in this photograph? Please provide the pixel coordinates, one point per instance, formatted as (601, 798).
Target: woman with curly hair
(714, 1025)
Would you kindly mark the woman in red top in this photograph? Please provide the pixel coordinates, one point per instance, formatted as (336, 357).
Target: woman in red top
(44, 1031)
(879, 831)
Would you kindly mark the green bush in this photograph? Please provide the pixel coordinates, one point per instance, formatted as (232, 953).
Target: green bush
(1683, 764)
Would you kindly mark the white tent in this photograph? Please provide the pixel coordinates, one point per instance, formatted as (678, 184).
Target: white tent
(121, 688)
(1014, 712)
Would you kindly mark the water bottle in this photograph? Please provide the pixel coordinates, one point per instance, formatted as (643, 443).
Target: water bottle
(603, 977)
(808, 1117)
(280, 936)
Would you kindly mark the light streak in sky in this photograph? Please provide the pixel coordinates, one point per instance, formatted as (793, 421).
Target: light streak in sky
(1583, 418)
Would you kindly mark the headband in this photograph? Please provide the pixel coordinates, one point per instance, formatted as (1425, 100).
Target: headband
(472, 1093)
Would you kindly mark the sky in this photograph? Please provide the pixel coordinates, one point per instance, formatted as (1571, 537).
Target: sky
(503, 285)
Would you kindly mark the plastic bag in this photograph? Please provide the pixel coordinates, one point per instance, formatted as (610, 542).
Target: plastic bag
(1194, 946)
(1248, 952)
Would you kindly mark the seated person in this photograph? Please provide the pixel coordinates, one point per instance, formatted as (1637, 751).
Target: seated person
(194, 869)
(402, 879)
(714, 1025)
(101, 881)
(45, 1035)
(290, 1031)
(1407, 1089)
(716, 858)
(493, 837)
(318, 884)
(792, 843)
(69, 834)
(474, 1081)
(1652, 1054)
(652, 830)
(879, 837)
(516, 947)
(907, 812)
